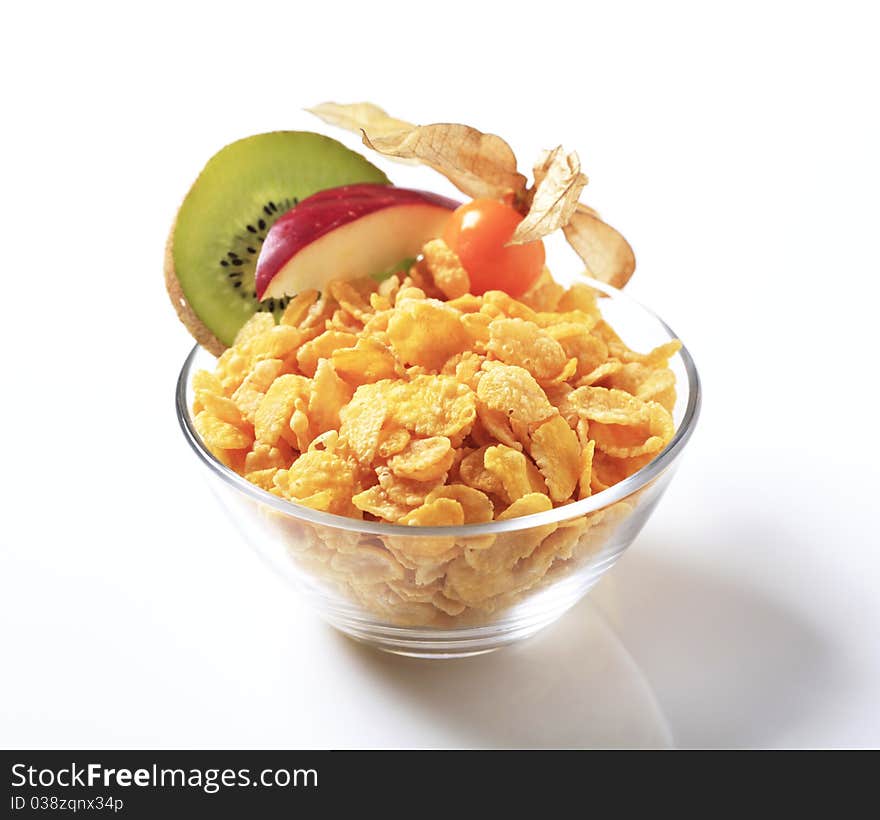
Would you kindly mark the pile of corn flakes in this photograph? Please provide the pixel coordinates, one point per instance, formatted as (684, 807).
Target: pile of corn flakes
(415, 402)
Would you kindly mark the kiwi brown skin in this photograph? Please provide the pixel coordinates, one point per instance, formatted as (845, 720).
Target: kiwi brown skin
(184, 312)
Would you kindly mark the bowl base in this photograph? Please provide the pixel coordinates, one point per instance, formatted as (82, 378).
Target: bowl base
(443, 644)
(422, 654)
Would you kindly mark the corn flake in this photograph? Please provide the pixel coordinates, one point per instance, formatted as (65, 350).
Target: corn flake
(392, 441)
(514, 392)
(375, 501)
(298, 308)
(221, 435)
(432, 406)
(446, 269)
(328, 394)
(522, 343)
(476, 505)
(604, 406)
(424, 459)
(628, 441)
(370, 360)
(250, 392)
(322, 347)
(509, 468)
(406, 491)
(557, 452)
(426, 332)
(362, 418)
(267, 456)
(273, 415)
(319, 471)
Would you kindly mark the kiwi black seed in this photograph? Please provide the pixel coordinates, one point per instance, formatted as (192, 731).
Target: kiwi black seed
(240, 261)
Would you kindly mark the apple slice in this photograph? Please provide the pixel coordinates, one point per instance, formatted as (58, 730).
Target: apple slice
(347, 233)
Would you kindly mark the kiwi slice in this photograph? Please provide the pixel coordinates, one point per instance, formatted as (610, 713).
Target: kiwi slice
(213, 246)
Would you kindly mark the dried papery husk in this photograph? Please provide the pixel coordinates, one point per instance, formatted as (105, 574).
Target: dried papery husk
(553, 196)
(478, 164)
(607, 255)
(359, 117)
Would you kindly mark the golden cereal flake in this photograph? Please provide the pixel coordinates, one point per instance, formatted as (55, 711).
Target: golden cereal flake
(375, 501)
(221, 435)
(318, 471)
(426, 332)
(497, 426)
(432, 406)
(578, 343)
(446, 269)
(469, 303)
(544, 293)
(277, 343)
(328, 394)
(220, 407)
(610, 470)
(477, 327)
(514, 392)
(368, 563)
(322, 347)
(476, 505)
(232, 368)
(479, 590)
(273, 415)
(264, 479)
(350, 300)
(643, 382)
(579, 297)
(536, 480)
(257, 325)
(370, 360)
(601, 373)
(298, 308)
(250, 392)
(408, 291)
(586, 471)
(509, 468)
(267, 456)
(299, 432)
(391, 441)
(441, 512)
(522, 343)
(361, 420)
(605, 406)
(628, 441)
(424, 459)
(511, 547)
(472, 471)
(506, 305)
(406, 491)
(208, 381)
(557, 452)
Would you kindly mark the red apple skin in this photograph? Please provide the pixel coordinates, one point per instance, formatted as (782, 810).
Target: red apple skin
(334, 209)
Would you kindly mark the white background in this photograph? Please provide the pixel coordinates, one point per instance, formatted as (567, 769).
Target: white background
(735, 146)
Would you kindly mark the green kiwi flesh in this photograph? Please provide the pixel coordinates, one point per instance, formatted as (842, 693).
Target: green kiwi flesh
(216, 239)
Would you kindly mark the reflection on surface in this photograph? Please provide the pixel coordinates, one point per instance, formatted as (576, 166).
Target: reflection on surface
(728, 662)
(572, 685)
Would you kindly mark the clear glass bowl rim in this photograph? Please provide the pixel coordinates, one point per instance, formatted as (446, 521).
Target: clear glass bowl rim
(618, 492)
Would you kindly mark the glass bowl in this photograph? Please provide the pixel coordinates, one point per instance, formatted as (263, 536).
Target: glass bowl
(350, 572)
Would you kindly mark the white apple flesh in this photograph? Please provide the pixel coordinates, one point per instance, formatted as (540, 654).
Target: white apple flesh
(347, 233)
